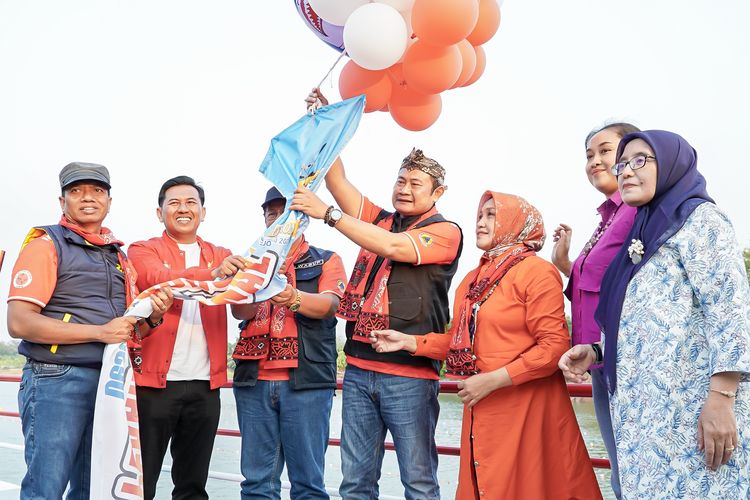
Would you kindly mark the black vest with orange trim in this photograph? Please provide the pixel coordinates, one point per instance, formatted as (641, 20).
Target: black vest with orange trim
(417, 304)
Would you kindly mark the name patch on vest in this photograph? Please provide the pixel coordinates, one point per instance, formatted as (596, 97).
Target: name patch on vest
(307, 265)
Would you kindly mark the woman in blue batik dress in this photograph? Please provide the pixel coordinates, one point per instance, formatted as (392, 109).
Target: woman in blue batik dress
(675, 310)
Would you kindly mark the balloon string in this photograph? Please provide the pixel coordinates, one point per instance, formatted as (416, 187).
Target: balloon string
(343, 53)
(312, 108)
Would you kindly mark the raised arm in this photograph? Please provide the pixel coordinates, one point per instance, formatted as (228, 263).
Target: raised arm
(443, 237)
(347, 197)
(394, 246)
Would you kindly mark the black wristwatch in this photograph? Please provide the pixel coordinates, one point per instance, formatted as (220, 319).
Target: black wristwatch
(152, 324)
(599, 356)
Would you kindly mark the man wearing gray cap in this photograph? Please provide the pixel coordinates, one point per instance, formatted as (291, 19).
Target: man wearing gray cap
(70, 288)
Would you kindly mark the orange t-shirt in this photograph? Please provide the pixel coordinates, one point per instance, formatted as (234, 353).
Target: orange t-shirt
(434, 244)
(35, 272)
(332, 280)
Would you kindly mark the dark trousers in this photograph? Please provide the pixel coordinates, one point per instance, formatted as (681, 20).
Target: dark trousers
(188, 414)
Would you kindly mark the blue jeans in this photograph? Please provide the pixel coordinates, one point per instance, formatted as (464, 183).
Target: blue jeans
(408, 408)
(56, 403)
(280, 425)
(604, 418)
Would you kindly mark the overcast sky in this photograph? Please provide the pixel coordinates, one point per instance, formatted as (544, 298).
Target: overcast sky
(157, 88)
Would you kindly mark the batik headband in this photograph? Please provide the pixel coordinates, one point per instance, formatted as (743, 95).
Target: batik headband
(418, 160)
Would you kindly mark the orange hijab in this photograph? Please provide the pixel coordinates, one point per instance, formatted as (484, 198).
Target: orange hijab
(518, 233)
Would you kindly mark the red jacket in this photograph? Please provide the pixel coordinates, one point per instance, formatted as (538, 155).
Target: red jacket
(156, 261)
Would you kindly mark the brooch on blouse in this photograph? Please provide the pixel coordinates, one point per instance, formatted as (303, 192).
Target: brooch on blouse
(635, 251)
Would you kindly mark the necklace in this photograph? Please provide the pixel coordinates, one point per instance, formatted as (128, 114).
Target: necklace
(601, 228)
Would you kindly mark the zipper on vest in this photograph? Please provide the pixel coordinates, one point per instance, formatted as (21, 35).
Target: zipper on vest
(109, 284)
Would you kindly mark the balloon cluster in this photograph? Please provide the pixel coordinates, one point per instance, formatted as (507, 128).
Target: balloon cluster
(404, 53)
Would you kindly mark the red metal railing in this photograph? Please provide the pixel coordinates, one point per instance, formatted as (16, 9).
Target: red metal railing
(575, 390)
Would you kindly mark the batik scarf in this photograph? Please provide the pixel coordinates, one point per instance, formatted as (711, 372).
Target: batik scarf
(272, 335)
(365, 300)
(518, 233)
(680, 189)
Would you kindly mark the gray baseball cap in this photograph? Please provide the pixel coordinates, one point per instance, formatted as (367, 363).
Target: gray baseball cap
(79, 171)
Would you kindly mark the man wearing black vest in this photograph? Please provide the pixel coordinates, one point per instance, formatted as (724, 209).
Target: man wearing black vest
(400, 280)
(286, 371)
(71, 285)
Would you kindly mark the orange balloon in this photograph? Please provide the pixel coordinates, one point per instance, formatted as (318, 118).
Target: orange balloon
(431, 69)
(469, 63)
(487, 24)
(481, 64)
(419, 113)
(396, 74)
(444, 22)
(355, 80)
(410, 108)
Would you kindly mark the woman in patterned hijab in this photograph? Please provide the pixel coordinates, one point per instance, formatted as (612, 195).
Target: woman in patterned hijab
(507, 334)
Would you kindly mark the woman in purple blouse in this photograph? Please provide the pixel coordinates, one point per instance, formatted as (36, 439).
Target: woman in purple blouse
(587, 271)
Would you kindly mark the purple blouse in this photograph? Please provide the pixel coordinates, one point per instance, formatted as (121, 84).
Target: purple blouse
(588, 269)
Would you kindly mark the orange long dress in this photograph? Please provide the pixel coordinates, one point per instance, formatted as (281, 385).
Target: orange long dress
(521, 441)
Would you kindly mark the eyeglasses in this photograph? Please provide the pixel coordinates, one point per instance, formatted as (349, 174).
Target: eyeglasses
(636, 162)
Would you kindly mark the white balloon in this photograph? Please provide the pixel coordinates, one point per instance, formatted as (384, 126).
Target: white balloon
(336, 11)
(399, 5)
(375, 36)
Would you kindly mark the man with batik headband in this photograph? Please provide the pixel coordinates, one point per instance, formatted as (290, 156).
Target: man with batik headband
(400, 280)
(286, 371)
(71, 286)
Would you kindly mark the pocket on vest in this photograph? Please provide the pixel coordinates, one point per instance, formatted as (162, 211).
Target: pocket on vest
(404, 301)
(320, 345)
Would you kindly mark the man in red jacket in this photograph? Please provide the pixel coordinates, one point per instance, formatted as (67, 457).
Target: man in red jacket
(183, 362)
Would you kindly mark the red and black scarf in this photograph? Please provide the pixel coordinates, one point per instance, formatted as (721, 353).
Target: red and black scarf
(271, 336)
(365, 300)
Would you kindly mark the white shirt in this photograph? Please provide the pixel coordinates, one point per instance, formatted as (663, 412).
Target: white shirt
(190, 359)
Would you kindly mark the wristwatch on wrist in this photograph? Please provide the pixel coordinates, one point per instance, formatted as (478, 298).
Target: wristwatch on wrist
(152, 324)
(333, 216)
(297, 301)
(598, 355)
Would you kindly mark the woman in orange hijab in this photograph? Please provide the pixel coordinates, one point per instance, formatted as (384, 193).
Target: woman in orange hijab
(520, 437)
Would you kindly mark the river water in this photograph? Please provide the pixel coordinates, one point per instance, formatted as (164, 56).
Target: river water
(227, 449)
